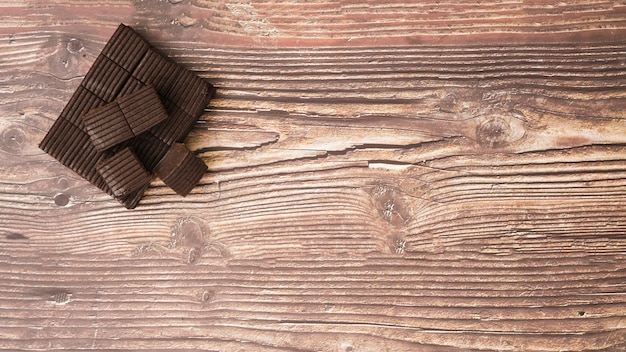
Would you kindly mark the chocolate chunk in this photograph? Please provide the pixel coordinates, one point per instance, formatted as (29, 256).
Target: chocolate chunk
(107, 126)
(188, 92)
(126, 48)
(124, 118)
(142, 109)
(180, 169)
(105, 78)
(123, 173)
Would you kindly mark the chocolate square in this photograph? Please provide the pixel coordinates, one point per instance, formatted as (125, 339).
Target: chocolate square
(123, 173)
(180, 169)
(150, 149)
(158, 71)
(107, 126)
(142, 109)
(176, 127)
(80, 103)
(125, 48)
(105, 78)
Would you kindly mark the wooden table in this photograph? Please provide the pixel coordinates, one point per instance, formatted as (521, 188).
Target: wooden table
(384, 176)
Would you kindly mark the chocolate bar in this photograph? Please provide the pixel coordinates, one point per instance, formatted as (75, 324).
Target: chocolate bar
(88, 129)
(180, 169)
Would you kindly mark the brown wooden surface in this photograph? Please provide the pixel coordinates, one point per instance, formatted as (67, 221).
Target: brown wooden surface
(384, 176)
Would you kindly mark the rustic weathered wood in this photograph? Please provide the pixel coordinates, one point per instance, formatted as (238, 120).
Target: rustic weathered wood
(384, 175)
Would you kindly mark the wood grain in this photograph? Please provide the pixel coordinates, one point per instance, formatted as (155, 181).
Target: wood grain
(391, 175)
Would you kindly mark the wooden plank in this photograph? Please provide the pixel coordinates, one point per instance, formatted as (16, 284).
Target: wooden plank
(382, 176)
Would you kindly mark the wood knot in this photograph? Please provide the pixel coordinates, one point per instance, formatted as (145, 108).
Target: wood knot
(448, 104)
(63, 183)
(397, 244)
(74, 45)
(15, 236)
(494, 133)
(13, 140)
(390, 205)
(61, 199)
(190, 235)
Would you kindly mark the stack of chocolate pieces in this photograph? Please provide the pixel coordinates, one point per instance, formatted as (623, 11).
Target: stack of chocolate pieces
(127, 120)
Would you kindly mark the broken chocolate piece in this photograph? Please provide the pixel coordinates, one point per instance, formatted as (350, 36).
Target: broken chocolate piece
(180, 169)
(142, 109)
(123, 173)
(124, 118)
(107, 126)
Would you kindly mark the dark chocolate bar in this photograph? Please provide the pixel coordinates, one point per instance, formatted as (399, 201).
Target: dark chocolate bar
(123, 173)
(87, 126)
(180, 169)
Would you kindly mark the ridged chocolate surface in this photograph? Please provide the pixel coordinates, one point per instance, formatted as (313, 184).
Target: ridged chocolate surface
(126, 65)
(180, 169)
(176, 127)
(80, 103)
(123, 172)
(142, 109)
(126, 48)
(107, 126)
(150, 149)
(105, 78)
